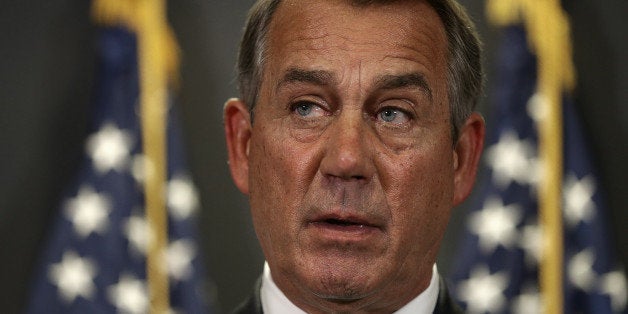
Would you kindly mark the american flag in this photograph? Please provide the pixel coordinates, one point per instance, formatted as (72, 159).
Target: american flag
(496, 269)
(94, 260)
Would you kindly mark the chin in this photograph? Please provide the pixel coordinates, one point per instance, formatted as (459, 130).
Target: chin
(337, 280)
(335, 290)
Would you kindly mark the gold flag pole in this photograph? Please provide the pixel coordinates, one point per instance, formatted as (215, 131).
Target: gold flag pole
(158, 63)
(153, 120)
(549, 38)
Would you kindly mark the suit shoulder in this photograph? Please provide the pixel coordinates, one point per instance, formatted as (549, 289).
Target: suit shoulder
(253, 304)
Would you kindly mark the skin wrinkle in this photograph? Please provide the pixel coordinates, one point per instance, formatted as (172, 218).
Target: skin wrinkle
(295, 76)
(404, 80)
(464, 69)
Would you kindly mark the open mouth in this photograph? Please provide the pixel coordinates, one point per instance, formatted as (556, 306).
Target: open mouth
(334, 223)
(342, 223)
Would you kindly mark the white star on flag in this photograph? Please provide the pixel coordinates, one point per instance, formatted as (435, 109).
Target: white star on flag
(88, 211)
(137, 168)
(141, 168)
(129, 295)
(580, 270)
(512, 160)
(74, 276)
(537, 107)
(495, 224)
(139, 234)
(179, 257)
(182, 197)
(507, 230)
(529, 301)
(578, 195)
(614, 284)
(484, 292)
(95, 257)
(531, 241)
(109, 148)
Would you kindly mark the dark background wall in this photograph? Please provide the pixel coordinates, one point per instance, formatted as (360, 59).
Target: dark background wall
(46, 70)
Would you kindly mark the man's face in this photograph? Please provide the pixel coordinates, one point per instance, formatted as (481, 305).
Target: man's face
(349, 164)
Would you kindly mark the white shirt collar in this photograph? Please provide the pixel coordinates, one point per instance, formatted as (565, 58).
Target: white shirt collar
(275, 302)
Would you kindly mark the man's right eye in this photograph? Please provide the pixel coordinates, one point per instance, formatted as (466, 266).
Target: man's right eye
(304, 109)
(307, 109)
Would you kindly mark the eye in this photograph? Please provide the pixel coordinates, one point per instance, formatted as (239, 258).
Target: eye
(303, 108)
(393, 115)
(307, 109)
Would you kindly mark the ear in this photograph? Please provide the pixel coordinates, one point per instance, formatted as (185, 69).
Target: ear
(238, 133)
(467, 155)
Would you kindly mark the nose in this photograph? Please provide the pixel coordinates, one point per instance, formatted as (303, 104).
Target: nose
(347, 153)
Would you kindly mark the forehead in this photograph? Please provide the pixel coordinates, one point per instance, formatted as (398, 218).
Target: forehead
(357, 44)
(403, 31)
(406, 16)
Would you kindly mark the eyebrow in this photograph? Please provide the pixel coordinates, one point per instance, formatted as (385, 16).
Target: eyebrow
(386, 82)
(316, 77)
(414, 79)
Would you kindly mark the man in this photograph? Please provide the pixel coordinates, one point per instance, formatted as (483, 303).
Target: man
(353, 139)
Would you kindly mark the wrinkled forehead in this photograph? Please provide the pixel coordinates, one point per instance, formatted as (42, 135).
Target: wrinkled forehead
(388, 20)
(408, 32)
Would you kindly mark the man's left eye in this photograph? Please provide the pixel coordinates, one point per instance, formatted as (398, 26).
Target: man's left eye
(392, 115)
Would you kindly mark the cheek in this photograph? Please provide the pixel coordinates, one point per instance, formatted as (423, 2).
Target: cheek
(268, 209)
(277, 168)
(423, 176)
(420, 193)
(267, 168)
(278, 180)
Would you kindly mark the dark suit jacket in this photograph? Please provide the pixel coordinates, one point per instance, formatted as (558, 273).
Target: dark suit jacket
(444, 305)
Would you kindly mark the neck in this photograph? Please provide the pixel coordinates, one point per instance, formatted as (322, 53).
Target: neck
(387, 299)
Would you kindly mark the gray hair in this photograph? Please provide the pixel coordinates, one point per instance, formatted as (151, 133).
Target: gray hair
(464, 68)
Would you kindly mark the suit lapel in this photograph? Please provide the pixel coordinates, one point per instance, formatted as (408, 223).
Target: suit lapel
(445, 303)
(252, 305)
